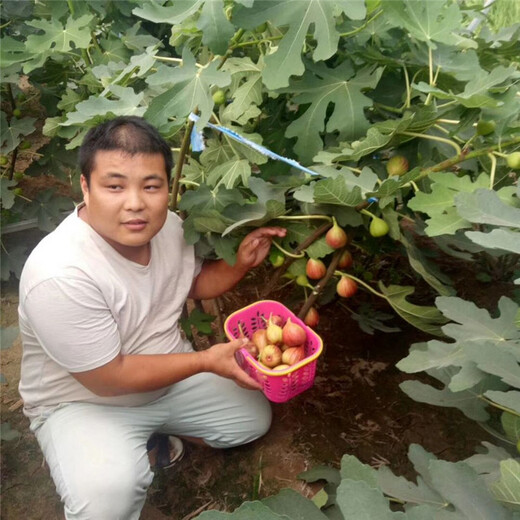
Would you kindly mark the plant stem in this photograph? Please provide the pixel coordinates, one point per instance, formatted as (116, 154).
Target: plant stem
(361, 27)
(285, 252)
(493, 170)
(448, 163)
(500, 407)
(408, 91)
(229, 52)
(180, 162)
(288, 261)
(304, 217)
(433, 138)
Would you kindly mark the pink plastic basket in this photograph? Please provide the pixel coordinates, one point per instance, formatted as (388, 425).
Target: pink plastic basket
(278, 385)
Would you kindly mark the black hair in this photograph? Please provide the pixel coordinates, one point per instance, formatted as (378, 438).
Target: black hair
(130, 134)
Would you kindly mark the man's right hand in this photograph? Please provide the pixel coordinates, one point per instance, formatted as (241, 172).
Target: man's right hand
(220, 359)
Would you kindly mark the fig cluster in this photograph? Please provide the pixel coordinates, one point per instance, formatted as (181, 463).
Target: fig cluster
(280, 345)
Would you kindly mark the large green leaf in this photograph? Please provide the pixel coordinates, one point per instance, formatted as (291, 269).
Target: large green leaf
(507, 489)
(13, 51)
(495, 360)
(190, 91)
(230, 173)
(357, 500)
(336, 96)
(12, 133)
(486, 207)
(429, 22)
(434, 354)
(460, 485)
(337, 191)
(403, 489)
(476, 94)
(428, 270)
(206, 198)
(497, 239)
(95, 109)
(290, 503)
(509, 399)
(466, 401)
(298, 15)
(439, 204)
(511, 425)
(247, 95)
(216, 29)
(59, 38)
(476, 325)
(426, 318)
(172, 14)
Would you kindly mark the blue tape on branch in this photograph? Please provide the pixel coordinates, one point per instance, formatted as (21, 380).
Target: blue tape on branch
(254, 146)
(197, 145)
(197, 141)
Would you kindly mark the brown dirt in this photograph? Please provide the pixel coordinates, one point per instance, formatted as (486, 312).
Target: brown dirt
(355, 407)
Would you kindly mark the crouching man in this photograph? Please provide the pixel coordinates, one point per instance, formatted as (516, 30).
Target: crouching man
(104, 366)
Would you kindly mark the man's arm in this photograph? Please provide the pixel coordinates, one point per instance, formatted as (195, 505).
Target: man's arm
(144, 373)
(217, 277)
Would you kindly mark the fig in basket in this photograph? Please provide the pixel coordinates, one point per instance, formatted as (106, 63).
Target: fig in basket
(274, 332)
(270, 356)
(281, 367)
(292, 334)
(293, 355)
(259, 338)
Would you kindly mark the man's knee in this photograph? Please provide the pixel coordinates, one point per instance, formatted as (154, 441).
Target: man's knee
(118, 495)
(250, 423)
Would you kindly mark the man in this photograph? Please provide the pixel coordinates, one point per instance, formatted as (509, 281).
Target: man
(104, 365)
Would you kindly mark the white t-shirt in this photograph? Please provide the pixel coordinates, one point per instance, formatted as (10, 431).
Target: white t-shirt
(81, 303)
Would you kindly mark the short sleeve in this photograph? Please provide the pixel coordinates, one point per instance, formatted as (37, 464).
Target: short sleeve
(198, 266)
(72, 323)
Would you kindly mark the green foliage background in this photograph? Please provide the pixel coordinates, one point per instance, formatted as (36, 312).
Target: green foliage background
(341, 86)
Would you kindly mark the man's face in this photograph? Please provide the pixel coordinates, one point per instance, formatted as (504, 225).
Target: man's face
(127, 200)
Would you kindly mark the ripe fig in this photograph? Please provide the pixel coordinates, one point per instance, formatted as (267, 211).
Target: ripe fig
(378, 227)
(346, 287)
(270, 356)
(281, 367)
(312, 318)
(336, 237)
(259, 338)
(513, 160)
(293, 355)
(345, 260)
(315, 269)
(274, 332)
(293, 334)
(397, 165)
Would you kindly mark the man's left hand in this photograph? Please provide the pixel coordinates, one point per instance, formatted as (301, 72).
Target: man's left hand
(256, 245)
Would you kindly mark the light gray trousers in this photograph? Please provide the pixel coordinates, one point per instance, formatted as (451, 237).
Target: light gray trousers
(97, 453)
